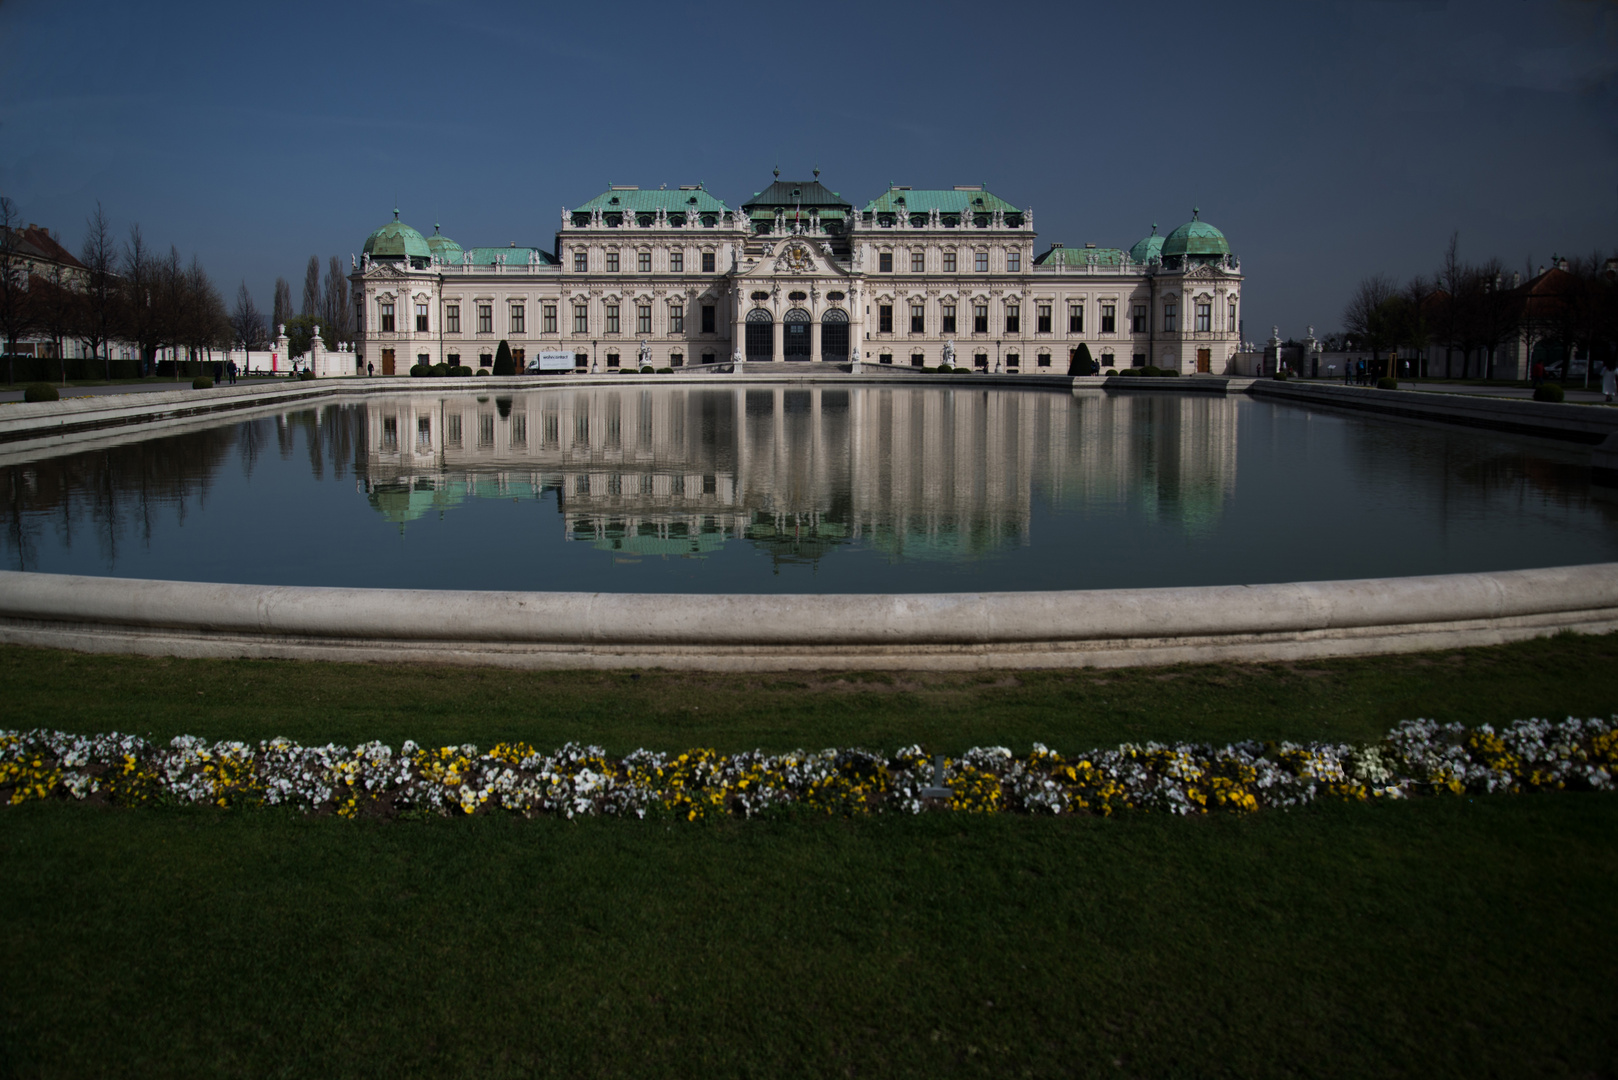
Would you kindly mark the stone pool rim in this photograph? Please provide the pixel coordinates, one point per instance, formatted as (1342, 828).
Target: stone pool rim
(773, 632)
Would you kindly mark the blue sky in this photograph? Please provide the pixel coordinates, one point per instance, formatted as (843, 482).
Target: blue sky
(1327, 139)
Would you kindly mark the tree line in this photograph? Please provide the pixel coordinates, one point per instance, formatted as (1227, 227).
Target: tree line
(1474, 310)
(129, 291)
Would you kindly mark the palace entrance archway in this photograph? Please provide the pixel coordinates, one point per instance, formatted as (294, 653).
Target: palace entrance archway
(834, 335)
(795, 327)
(760, 335)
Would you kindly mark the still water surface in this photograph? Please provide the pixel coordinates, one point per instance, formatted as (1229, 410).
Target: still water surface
(803, 490)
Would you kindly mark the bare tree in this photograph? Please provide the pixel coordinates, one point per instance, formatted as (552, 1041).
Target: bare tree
(337, 316)
(1368, 316)
(16, 307)
(56, 304)
(281, 310)
(246, 323)
(141, 304)
(1447, 309)
(311, 287)
(98, 301)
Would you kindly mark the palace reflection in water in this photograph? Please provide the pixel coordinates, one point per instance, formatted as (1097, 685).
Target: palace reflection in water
(752, 489)
(924, 472)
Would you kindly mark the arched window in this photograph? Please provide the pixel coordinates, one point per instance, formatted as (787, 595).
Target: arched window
(760, 334)
(834, 335)
(795, 325)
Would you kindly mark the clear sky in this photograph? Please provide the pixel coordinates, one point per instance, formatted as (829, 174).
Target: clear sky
(1327, 139)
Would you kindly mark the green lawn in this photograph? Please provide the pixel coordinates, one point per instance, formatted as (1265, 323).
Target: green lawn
(1440, 937)
(1075, 710)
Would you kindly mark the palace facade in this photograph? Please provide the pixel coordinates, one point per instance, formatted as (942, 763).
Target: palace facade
(675, 277)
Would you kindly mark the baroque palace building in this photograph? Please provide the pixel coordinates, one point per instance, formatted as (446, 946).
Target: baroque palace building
(918, 277)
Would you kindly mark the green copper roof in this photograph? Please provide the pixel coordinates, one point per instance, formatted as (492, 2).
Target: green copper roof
(1066, 256)
(396, 240)
(790, 193)
(1195, 238)
(1147, 248)
(924, 200)
(515, 256)
(678, 201)
(442, 246)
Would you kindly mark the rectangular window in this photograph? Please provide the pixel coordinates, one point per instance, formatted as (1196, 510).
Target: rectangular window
(918, 318)
(1013, 320)
(676, 262)
(1204, 317)
(676, 360)
(1013, 360)
(612, 360)
(918, 359)
(519, 319)
(359, 315)
(612, 262)
(884, 318)
(918, 262)
(949, 319)
(643, 262)
(1171, 317)
(981, 361)
(452, 318)
(612, 318)
(885, 358)
(643, 318)
(581, 262)
(421, 318)
(980, 318)
(707, 318)
(949, 262)
(424, 432)
(1137, 319)
(1109, 318)
(485, 318)
(1014, 262)
(581, 318)
(707, 262)
(452, 428)
(1043, 326)
(387, 317)
(1075, 318)
(390, 433)
(676, 318)
(1232, 327)
(884, 262)
(486, 430)
(1044, 360)
(548, 313)
(980, 262)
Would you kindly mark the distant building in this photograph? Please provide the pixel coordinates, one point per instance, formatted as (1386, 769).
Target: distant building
(677, 277)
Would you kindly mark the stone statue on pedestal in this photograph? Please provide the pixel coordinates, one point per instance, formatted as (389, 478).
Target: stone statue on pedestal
(949, 353)
(645, 353)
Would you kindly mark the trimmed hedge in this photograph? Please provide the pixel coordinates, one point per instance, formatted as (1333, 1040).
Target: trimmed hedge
(1549, 392)
(1387, 382)
(40, 392)
(202, 382)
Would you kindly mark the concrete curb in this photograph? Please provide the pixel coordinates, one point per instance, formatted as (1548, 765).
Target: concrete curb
(1585, 424)
(933, 631)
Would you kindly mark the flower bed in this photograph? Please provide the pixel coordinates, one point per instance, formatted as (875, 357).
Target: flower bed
(1417, 757)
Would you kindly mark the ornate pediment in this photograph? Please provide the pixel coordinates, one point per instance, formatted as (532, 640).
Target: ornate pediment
(796, 256)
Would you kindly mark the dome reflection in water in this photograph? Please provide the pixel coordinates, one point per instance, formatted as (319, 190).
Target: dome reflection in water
(803, 489)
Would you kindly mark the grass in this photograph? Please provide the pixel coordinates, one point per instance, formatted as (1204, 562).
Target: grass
(1349, 700)
(1441, 937)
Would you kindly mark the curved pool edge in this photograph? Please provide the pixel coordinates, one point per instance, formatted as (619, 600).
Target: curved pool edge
(699, 632)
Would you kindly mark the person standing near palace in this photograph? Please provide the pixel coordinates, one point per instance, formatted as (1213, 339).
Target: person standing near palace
(1609, 381)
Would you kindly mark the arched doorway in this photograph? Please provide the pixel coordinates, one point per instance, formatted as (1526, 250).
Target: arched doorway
(834, 335)
(760, 335)
(795, 327)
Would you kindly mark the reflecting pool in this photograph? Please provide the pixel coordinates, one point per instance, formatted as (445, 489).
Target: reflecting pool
(803, 489)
